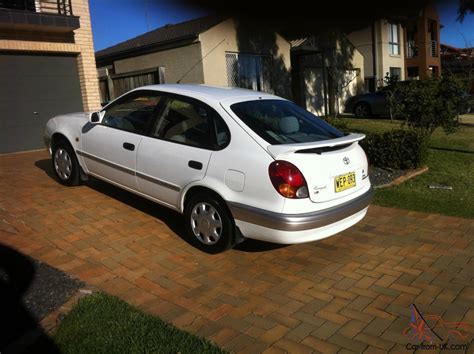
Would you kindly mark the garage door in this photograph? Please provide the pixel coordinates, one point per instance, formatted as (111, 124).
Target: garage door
(34, 88)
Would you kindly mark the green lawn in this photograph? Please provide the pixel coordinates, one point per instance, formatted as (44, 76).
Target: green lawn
(101, 323)
(450, 161)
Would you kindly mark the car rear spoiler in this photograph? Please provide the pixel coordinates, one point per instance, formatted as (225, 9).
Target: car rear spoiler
(284, 149)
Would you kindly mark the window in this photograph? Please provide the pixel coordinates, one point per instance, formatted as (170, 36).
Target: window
(133, 112)
(191, 124)
(249, 71)
(413, 72)
(393, 39)
(396, 73)
(283, 122)
(412, 48)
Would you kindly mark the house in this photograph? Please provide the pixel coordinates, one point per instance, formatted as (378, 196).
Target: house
(47, 67)
(209, 50)
(406, 47)
(422, 59)
(233, 52)
(326, 70)
(383, 48)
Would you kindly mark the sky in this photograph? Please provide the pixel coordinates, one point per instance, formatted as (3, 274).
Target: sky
(114, 21)
(453, 32)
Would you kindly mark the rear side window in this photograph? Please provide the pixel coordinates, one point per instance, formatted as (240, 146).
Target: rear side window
(283, 122)
(191, 123)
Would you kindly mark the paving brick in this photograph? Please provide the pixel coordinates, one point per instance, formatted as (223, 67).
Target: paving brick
(320, 345)
(359, 303)
(348, 343)
(299, 332)
(292, 347)
(326, 330)
(357, 315)
(377, 326)
(352, 328)
(352, 291)
(274, 334)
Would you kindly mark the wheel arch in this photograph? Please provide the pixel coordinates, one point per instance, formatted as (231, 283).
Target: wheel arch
(192, 190)
(59, 136)
(196, 189)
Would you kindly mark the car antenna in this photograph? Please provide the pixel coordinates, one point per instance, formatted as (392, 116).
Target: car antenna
(199, 61)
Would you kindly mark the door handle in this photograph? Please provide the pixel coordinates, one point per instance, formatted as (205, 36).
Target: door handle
(195, 164)
(128, 146)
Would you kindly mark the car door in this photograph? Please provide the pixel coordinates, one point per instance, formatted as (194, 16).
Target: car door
(110, 148)
(179, 148)
(381, 104)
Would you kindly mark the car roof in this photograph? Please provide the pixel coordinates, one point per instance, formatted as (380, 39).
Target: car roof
(208, 93)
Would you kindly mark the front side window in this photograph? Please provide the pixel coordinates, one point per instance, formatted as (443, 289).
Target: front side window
(393, 39)
(249, 71)
(191, 124)
(133, 112)
(283, 122)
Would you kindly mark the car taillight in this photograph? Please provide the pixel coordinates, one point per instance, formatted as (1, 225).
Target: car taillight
(288, 180)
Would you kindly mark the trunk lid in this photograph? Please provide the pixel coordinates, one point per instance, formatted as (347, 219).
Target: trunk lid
(321, 162)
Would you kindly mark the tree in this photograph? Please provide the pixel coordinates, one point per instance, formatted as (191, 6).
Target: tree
(429, 104)
(465, 7)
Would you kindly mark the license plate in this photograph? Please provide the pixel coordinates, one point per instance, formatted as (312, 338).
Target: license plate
(343, 182)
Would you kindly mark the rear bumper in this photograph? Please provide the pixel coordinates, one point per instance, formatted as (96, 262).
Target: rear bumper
(300, 222)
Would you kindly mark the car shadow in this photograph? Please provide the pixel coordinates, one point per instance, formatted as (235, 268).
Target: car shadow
(46, 166)
(171, 218)
(21, 332)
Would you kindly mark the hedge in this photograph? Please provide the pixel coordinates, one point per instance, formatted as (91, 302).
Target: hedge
(397, 149)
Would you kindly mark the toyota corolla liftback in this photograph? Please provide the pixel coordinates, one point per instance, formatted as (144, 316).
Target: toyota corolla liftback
(237, 163)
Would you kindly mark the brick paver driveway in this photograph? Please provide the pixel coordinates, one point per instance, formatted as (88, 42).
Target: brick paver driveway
(349, 292)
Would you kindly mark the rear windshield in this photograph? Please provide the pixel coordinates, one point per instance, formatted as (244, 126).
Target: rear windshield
(283, 122)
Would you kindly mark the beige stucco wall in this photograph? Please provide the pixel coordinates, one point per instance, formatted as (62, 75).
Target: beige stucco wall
(385, 59)
(362, 40)
(231, 36)
(177, 62)
(80, 44)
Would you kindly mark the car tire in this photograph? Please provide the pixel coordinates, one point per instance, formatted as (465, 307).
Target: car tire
(209, 223)
(362, 110)
(65, 165)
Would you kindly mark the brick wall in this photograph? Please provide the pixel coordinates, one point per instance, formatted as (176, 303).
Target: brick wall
(86, 57)
(80, 44)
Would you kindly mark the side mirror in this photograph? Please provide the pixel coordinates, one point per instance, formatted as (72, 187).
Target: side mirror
(94, 118)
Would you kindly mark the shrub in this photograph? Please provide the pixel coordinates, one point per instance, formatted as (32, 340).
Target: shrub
(428, 104)
(397, 149)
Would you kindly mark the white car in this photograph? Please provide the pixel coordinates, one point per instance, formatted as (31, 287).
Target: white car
(237, 163)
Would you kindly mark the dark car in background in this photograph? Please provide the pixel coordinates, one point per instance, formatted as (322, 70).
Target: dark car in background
(368, 104)
(374, 104)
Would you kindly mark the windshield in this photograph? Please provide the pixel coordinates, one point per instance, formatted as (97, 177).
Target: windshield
(283, 122)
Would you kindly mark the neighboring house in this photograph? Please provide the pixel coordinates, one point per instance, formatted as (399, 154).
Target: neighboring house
(422, 45)
(382, 46)
(319, 73)
(326, 70)
(209, 50)
(47, 67)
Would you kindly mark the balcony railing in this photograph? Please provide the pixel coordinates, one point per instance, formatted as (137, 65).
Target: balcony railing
(60, 7)
(433, 49)
(412, 50)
